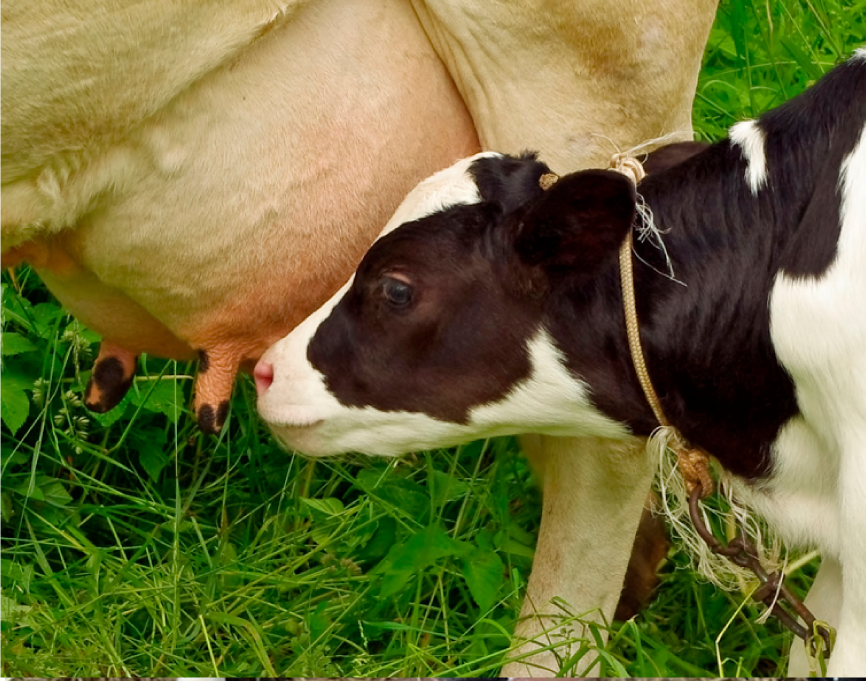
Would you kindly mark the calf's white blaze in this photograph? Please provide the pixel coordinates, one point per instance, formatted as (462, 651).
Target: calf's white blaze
(818, 328)
(453, 186)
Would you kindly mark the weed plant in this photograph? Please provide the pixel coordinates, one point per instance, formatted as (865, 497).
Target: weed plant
(133, 545)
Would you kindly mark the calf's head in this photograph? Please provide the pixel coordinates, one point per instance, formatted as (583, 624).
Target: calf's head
(441, 335)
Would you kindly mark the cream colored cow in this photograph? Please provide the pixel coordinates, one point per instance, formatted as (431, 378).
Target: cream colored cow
(196, 178)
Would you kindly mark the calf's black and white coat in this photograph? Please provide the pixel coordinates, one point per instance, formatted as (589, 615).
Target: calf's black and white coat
(489, 306)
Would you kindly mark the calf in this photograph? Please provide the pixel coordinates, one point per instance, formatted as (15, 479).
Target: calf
(491, 306)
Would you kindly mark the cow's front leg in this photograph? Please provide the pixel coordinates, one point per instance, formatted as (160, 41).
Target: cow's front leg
(594, 493)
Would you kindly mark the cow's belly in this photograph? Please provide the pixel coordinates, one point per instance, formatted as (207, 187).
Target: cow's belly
(246, 203)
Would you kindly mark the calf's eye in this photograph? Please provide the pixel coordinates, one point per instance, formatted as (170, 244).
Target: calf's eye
(397, 293)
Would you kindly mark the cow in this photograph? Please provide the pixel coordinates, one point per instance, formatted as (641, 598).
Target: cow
(493, 306)
(194, 179)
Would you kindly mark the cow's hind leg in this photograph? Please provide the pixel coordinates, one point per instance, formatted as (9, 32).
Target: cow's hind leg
(111, 377)
(217, 370)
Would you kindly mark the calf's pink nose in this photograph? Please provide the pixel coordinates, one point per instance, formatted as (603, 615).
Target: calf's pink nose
(264, 375)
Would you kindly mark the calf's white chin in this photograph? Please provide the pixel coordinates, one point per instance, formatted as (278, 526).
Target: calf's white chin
(367, 431)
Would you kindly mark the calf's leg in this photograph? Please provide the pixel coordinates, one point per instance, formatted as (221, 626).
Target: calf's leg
(594, 491)
(849, 654)
(825, 602)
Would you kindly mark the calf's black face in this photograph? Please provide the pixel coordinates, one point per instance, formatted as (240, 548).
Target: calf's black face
(431, 322)
(441, 335)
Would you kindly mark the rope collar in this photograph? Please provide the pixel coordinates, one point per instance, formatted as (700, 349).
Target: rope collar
(693, 462)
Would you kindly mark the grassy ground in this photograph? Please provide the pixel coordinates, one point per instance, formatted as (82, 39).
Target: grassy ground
(132, 545)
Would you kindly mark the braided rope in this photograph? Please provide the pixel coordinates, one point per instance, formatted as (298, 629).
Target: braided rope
(632, 329)
(694, 463)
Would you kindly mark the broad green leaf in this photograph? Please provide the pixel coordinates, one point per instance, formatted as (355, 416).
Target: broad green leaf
(90, 336)
(484, 539)
(319, 621)
(30, 489)
(422, 550)
(401, 493)
(166, 397)
(444, 487)
(327, 518)
(517, 533)
(16, 573)
(383, 540)
(369, 479)
(44, 317)
(113, 415)
(151, 444)
(17, 376)
(15, 344)
(153, 460)
(508, 544)
(328, 507)
(15, 308)
(483, 572)
(55, 493)
(10, 455)
(14, 405)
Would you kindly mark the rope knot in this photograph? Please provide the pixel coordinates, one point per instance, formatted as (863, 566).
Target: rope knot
(628, 165)
(547, 180)
(694, 465)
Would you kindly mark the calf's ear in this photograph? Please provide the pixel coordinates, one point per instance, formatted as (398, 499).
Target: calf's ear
(578, 223)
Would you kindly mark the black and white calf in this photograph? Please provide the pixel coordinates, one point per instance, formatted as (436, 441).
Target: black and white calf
(490, 307)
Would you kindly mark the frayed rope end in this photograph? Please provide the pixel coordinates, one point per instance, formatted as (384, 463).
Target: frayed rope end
(674, 506)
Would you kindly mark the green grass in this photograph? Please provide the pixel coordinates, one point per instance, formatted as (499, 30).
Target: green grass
(132, 545)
